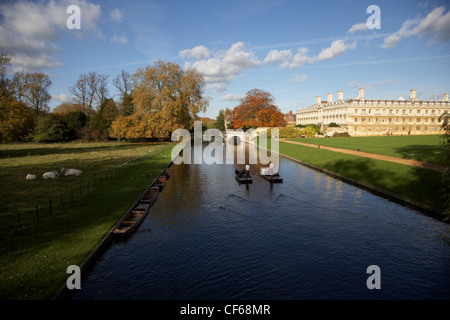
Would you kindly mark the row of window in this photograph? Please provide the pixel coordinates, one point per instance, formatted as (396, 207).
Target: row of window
(397, 111)
(393, 129)
(410, 120)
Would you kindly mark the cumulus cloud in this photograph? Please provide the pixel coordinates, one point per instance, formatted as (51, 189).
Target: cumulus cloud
(286, 59)
(198, 53)
(278, 56)
(336, 49)
(221, 67)
(30, 30)
(358, 27)
(435, 25)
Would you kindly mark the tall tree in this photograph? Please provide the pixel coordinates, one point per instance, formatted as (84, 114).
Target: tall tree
(89, 89)
(36, 93)
(166, 97)
(257, 109)
(220, 121)
(124, 83)
(82, 94)
(5, 60)
(100, 88)
(445, 138)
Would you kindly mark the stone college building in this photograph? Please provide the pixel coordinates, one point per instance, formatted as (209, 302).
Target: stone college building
(361, 117)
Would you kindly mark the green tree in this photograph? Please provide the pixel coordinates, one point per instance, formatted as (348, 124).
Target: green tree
(101, 122)
(220, 121)
(445, 138)
(51, 128)
(75, 122)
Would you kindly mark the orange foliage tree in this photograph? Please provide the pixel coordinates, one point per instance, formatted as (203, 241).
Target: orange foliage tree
(257, 109)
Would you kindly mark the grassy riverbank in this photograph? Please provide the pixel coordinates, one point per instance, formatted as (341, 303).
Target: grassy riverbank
(418, 184)
(422, 148)
(34, 257)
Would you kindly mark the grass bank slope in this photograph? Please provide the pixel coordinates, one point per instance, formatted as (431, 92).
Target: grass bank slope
(34, 257)
(422, 148)
(419, 184)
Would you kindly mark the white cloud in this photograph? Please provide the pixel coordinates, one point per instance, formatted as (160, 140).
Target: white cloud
(278, 56)
(286, 59)
(300, 58)
(336, 49)
(299, 78)
(232, 97)
(358, 27)
(223, 66)
(435, 25)
(29, 30)
(198, 53)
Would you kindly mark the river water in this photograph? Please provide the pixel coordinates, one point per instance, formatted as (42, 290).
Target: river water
(310, 237)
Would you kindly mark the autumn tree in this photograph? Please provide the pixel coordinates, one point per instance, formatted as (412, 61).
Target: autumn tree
(257, 109)
(66, 107)
(124, 83)
(16, 118)
(165, 97)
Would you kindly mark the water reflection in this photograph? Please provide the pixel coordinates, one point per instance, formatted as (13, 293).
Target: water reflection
(311, 237)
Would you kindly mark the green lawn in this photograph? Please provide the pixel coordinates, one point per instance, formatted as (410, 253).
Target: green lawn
(34, 258)
(423, 148)
(415, 183)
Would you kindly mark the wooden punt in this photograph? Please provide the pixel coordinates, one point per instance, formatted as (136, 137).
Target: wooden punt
(132, 219)
(150, 195)
(268, 174)
(243, 178)
(160, 182)
(167, 172)
(273, 178)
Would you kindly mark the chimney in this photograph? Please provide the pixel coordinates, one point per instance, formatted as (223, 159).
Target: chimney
(330, 98)
(361, 94)
(318, 100)
(412, 94)
(340, 95)
(445, 96)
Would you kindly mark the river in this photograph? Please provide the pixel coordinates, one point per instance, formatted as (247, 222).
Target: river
(310, 237)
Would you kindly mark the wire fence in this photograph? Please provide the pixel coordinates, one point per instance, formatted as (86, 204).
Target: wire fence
(28, 213)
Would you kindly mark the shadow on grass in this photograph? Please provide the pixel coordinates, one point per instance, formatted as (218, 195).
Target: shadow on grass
(34, 259)
(424, 153)
(414, 183)
(62, 149)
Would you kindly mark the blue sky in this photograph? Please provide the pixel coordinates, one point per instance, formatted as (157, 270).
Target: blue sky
(293, 49)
